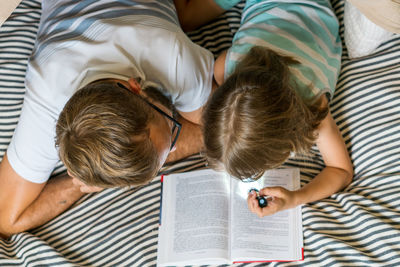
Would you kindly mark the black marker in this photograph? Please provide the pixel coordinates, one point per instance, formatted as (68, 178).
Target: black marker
(262, 200)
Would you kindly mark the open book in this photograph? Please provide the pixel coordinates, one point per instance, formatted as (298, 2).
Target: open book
(205, 220)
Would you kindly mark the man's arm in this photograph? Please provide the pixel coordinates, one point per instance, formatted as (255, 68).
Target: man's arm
(195, 13)
(219, 68)
(25, 205)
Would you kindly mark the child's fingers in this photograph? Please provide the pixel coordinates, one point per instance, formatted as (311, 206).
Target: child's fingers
(276, 196)
(273, 207)
(261, 212)
(276, 191)
(266, 211)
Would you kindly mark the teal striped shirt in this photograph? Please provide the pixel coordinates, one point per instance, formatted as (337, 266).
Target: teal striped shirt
(305, 30)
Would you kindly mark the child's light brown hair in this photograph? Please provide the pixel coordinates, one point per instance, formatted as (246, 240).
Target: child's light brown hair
(103, 137)
(256, 119)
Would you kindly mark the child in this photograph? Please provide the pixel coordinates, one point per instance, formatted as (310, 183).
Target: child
(276, 81)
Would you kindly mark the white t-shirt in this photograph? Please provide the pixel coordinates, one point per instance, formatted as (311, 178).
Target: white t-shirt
(82, 41)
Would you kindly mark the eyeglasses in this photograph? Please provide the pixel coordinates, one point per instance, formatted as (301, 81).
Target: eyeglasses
(252, 178)
(176, 129)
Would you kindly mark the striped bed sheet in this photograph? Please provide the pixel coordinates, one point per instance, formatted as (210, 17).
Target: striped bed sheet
(359, 226)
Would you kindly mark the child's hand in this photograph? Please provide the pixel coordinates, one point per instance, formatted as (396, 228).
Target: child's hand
(281, 199)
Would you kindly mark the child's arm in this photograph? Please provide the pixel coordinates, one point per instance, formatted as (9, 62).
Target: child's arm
(335, 176)
(195, 13)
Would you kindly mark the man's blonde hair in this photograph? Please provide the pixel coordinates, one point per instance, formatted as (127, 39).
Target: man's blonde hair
(256, 119)
(104, 139)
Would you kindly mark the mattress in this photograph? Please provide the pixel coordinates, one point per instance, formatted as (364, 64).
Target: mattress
(359, 226)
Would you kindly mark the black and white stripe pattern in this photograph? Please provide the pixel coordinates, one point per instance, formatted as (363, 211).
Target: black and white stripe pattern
(118, 227)
(17, 37)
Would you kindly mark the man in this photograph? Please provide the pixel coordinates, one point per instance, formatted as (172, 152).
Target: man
(98, 56)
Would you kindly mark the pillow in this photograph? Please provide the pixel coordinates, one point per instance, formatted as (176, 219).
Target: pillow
(361, 35)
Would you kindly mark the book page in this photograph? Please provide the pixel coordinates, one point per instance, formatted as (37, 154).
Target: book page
(275, 237)
(195, 219)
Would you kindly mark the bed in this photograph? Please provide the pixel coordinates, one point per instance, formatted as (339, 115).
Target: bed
(359, 226)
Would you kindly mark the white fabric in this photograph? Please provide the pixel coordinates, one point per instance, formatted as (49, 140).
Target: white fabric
(132, 46)
(7, 7)
(361, 35)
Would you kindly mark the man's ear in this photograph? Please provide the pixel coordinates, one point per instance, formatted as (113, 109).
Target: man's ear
(134, 85)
